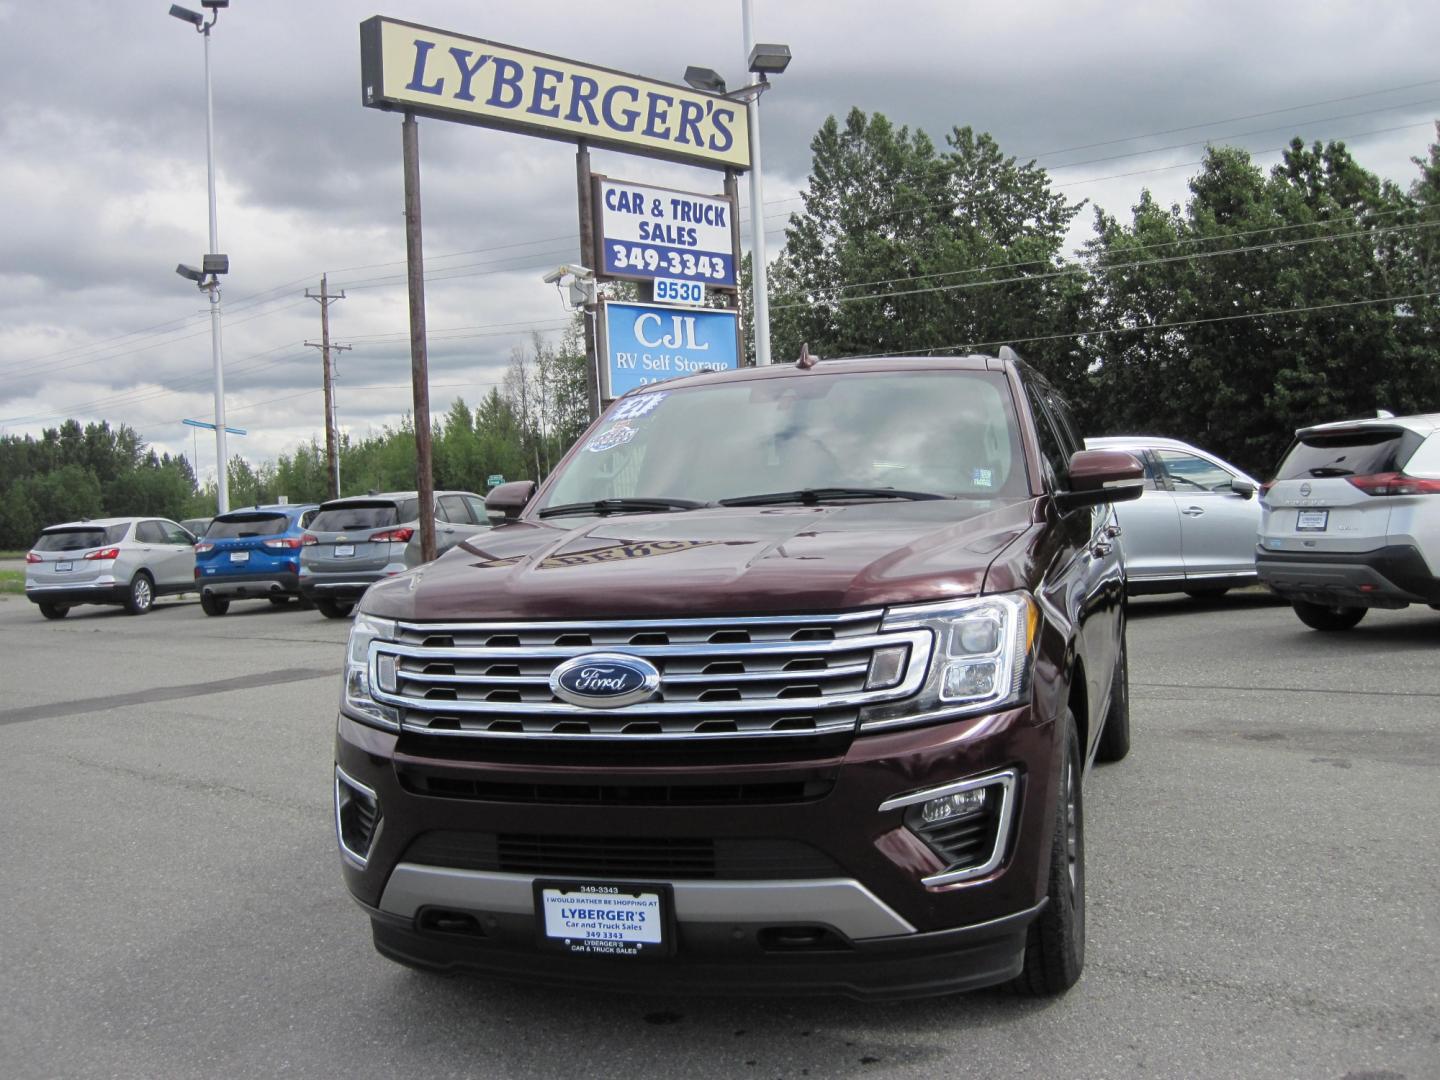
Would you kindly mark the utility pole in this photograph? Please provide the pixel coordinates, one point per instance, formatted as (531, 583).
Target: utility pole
(332, 427)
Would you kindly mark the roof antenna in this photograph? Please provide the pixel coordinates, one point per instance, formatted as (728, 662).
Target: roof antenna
(806, 361)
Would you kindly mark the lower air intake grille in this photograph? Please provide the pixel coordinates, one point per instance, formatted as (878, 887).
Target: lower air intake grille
(665, 858)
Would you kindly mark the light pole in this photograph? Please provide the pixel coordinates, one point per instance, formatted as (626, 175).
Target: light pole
(761, 60)
(214, 264)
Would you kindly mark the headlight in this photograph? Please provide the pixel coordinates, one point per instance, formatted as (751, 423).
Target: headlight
(356, 699)
(981, 660)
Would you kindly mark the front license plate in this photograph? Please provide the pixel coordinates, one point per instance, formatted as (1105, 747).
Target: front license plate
(61, 567)
(239, 556)
(1312, 520)
(344, 551)
(603, 920)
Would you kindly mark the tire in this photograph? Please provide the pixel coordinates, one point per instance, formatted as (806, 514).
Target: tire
(1115, 735)
(213, 605)
(54, 611)
(141, 597)
(1326, 616)
(335, 609)
(1055, 947)
(1213, 593)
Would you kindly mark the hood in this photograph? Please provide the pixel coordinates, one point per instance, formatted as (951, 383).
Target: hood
(725, 561)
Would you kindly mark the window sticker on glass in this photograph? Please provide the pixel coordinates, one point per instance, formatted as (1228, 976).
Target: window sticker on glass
(983, 478)
(639, 406)
(613, 436)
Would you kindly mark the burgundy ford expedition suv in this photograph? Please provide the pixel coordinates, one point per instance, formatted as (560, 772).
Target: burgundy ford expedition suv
(784, 681)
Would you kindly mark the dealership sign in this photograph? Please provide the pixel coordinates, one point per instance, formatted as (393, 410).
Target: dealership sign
(647, 343)
(452, 77)
(649, 232)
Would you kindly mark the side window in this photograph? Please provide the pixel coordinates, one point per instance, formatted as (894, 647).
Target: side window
(174, 534)
(150, 532)
(1190, 474)
(452, 509)
(477, 509)
(1070, 440)
(307, 517)
(1154, 480)
(1057, 462)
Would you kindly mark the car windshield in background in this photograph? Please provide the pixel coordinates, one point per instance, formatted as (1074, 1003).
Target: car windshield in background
(952, 434)
(236, 526)
(1351, 453)
(367, 515)
(80, 539)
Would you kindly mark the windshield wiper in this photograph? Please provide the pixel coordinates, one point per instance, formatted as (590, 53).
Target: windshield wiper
(622, 506)
(1331, 470)
(811, 496)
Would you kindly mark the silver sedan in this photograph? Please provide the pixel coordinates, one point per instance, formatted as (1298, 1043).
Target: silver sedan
(1194, 528)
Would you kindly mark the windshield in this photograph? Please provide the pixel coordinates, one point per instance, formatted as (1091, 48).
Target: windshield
(90, 536)
(951, 433)
(237, 525)
(366, 515)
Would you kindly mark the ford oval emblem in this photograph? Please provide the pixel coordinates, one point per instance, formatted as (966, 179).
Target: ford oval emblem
(605, 680)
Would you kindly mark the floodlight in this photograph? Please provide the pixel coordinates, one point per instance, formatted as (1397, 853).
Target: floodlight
(769, 59)
(216, 264)
(706, 79)
(187, 15)
(214, 4)
(190, 272)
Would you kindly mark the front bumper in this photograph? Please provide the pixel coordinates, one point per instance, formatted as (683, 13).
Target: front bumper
(869, 926)
(1391, 576)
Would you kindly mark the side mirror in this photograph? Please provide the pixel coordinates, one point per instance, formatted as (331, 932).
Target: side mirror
(509, 499)
(1244, 488)
(1101, 476)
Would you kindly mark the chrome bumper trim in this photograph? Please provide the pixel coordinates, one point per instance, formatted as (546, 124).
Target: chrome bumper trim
(842, 903)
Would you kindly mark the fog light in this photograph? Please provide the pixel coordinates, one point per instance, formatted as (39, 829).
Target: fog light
(950, 807)
(970, 679)
(385, 672)
(887, 667)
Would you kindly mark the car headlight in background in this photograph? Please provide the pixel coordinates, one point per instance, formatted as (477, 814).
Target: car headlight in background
(356, 697)
(980, 663)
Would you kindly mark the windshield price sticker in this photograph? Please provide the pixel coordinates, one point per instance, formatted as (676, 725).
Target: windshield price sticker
(602, 920)
(675, 291)
(649, 232)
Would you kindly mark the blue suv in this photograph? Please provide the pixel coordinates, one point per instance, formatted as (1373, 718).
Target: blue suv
(251, 553)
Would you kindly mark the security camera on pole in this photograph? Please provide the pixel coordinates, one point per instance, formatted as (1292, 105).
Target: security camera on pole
(214, 264)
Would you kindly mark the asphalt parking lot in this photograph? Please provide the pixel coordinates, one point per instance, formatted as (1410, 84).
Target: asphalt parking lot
(1263, 871)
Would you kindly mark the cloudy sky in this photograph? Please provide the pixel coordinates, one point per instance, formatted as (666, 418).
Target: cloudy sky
(102, 167)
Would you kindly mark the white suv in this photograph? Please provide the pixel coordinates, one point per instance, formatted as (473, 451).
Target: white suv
(1352, 520)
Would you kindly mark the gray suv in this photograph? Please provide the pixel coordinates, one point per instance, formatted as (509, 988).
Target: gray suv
(127, 561)
(355, 541)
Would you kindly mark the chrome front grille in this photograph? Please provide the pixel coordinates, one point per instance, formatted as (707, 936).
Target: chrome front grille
(720, 678)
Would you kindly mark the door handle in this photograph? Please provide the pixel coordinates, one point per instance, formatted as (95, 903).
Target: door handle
(1193, 511)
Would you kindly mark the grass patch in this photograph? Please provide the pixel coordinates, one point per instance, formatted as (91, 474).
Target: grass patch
(12, 581)
(12, 554)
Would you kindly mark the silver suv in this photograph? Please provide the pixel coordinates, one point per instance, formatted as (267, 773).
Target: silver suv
(1352, 520)
(127, 561)
(355, 541)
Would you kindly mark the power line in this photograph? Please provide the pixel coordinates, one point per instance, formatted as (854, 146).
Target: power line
(1103, 331)
(1082, 269)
